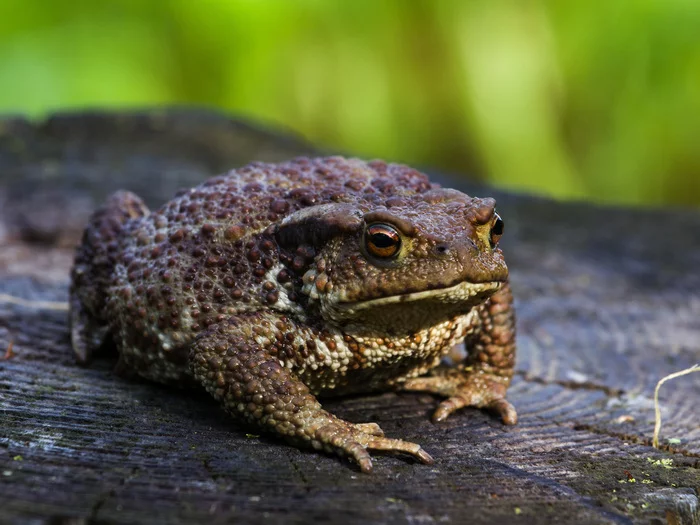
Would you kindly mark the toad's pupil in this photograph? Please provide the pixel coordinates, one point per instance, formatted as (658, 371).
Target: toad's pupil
(382, 240)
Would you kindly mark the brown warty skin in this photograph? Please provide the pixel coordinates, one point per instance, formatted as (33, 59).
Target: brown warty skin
(277, 283)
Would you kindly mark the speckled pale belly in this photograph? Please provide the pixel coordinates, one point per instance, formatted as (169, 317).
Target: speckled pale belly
(373, 362)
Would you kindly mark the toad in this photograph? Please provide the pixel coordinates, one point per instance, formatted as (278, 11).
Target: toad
(277, 284)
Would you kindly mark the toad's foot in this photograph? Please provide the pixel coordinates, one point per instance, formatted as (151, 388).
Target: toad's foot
(354, 441)
(466, 388)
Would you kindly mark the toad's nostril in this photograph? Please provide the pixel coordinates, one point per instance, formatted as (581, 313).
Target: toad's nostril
(442, 248)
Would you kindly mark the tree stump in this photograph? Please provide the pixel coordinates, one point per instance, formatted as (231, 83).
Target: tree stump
(608, 302)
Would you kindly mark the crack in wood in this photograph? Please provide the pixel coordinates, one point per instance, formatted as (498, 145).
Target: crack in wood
(572, 385)
(639, 440)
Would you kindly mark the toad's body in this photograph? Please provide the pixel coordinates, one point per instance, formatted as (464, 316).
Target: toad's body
(276, 283)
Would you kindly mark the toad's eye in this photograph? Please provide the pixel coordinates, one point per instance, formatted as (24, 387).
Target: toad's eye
(496, 230)
(382, 240)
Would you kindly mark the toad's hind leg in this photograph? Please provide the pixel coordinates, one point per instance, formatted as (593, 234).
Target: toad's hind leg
(483, 379)
(93, 270)
(252, 385)
(87, 334)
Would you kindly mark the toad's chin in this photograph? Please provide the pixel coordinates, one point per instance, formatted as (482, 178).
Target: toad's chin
(412, 311)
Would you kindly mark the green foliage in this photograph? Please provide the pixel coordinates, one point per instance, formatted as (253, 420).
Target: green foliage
(595, 100)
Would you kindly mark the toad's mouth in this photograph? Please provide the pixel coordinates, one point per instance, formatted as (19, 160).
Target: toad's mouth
(406, 313)
(463, 295)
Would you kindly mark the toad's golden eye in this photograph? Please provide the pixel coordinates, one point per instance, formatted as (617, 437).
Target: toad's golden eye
(496, 230)
(382, 240)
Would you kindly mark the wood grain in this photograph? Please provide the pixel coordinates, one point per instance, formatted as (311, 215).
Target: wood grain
(608, 303)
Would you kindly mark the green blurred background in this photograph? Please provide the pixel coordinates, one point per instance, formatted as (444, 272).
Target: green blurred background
(573, 99)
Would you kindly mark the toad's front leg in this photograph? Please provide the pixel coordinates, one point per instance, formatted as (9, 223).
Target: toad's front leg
(483, 379)
(252, 385)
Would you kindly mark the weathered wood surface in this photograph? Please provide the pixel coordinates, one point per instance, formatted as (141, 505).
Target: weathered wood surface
(608, 303)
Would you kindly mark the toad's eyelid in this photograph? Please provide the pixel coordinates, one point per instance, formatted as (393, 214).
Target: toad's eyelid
(404, 226)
